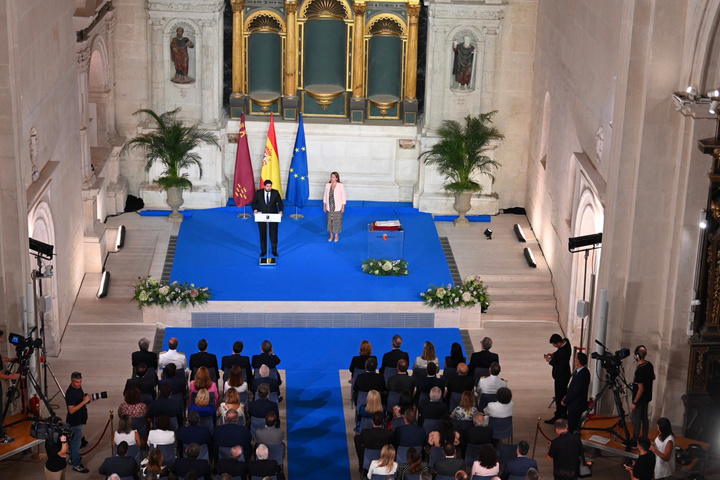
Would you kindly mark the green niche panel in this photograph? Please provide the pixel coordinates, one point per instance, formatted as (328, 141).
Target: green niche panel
(338, 108)
(265, 62)
(324, 52)
(384, 65)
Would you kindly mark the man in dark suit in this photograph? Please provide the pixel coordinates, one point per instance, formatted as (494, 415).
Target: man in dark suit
(190, 462)
(261, 406)
(166, 405)
(120, 464)
(235, 466)
(391, 358)
(267, 357)
(373, 438)
(371, 380)
(203, 359)
(177, 380)
(519, 465)
(268, 200)
(401, 381)
(425, 384)
(484, 358)
(232, 434)
(262, 466)
(576, 398)
(451, 464)
(272, 383)
(478, 434)
(435, 409)
(145, 383)
(228, 361)
(194, 432)
(559, 360)
(461, 383)
(410, 434)
(150, 359)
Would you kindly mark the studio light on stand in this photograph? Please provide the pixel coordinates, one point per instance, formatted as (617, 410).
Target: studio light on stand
(529, 257)
(519, 233)
(585, 243)
(104, 285)
(120, 240)
(488, 234)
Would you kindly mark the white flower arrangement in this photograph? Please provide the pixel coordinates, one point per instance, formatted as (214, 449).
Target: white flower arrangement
(149, 292)
(470, 293)
(385, 268)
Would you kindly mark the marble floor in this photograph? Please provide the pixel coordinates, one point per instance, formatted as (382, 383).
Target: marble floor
(102, 333)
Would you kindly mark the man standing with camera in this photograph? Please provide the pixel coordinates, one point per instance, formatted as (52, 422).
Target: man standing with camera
(642, 394)
(76, 400)
(560, 362)
(4, 438)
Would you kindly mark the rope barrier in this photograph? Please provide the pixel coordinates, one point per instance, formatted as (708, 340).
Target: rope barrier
(107, 424)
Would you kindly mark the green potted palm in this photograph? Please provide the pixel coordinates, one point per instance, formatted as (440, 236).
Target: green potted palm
(172, 143)
(460, 156)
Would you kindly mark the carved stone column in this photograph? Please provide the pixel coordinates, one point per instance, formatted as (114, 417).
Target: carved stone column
(206, 78)
(157, 60)
(238, 98)
(488, 74)
(357, 102)
(410, 105)
(88, 177)
(290, 102)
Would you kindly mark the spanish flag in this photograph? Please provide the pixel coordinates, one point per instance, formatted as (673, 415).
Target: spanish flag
(271, 163)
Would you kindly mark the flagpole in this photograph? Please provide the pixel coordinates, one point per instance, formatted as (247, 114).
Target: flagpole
(244, 214)
(296, 214)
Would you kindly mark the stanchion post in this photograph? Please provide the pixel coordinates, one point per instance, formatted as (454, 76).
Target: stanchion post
(112, 434)
(537, 429)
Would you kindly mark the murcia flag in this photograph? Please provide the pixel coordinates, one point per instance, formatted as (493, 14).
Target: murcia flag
(244, 185)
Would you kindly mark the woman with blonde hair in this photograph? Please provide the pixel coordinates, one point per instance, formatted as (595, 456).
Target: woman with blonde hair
(203, 381)
(232, 401)
(201, 404)
(428, 355)
(386, 465)
(374, 404)
(466, 409)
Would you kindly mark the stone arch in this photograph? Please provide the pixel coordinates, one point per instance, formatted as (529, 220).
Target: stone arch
(99, 102)
(41, 227)
(99, 71)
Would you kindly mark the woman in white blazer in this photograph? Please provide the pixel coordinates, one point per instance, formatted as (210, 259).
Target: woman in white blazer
(334, 200)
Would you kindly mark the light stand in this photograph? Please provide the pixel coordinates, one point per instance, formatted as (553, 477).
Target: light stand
(584, 244)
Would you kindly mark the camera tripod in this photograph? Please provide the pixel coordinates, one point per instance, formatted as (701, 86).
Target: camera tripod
(616, 382)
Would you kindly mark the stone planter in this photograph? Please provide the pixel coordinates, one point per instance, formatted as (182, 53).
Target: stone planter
(175, 201)
(462, 206)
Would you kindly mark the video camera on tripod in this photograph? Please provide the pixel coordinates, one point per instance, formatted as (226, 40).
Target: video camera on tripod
(611, 362)
(25, 346)
(51, 428)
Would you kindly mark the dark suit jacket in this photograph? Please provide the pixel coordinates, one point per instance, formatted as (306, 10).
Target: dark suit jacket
(123, 466)
(260, 408)
(146, 384)
(183, 466)
(178, 382)
(425, 384)
(232, 466)
(264, 468)
(460, 384)
(358, 361)
(375, 438)
(150, 359)
(449, 466)
(518, 466)
(481, 359)
(399, 383)
(409, 436)
(433, 411)
(229, 435)
(576, 398)
(391, 358)
(194, 434)
(271, 361)
(275, 205)
(368, 381)
(273, 383)
(242, 361)
(203, 359)
(167, 406)
(477, 435)
(561, 363)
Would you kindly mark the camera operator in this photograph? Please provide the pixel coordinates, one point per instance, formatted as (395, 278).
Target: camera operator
(559, 360)
(642, 394)
(57, 452)
(4, 438)
(76, 400)
(644, 467)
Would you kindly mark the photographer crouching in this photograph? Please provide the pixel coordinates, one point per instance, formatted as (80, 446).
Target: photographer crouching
(76, 400)
(4, 438)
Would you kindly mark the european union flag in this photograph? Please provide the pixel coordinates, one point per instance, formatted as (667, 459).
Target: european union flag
(298, 188)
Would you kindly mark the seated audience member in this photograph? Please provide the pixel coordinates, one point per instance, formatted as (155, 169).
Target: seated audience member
(456, 356)
(451, 463)
(236, 380)
(273, 383)
(532, 474)
(156, 464)
(190, 462)
(237, 359)
(125, 432)
(173, 356)
(479, 433)
(203, 359)
(391, 358)
(371, 380)
(202, 406)
(445, 434)
(358, 361)
(260, 407)
(143, 355)
(177, 380)
(203, 381)
(435, 409)
(462, 475)
(193, 432)
(413, 466)
(234, 466)
(385, 465)
(466, 409)
(401, 381)
(410, 434)
(490, 384)
(232, 433)
(163, 433)
(133, 406)
(428, 356)
(145, 383)
(404, 402)
(266, 357)
(166, 405)
(264, 467)
(121, 464)
(373, 438)
(487, 464)
(232, 401)
(484, 358)
(502, 407)
(272, 434)
(427, 383)
(374, 404)
(519, 465)
(461, 382)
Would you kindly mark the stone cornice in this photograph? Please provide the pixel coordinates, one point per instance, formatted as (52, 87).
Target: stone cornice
(465, 11)
(202, 6)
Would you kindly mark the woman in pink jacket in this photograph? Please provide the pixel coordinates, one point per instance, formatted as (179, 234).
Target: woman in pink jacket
(334, 200)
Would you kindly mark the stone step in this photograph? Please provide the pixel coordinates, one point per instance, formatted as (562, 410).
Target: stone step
(511, 278)
(540, 303)
(526, 317)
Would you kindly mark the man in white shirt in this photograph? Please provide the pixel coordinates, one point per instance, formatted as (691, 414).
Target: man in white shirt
(490, 384)
(173, 356)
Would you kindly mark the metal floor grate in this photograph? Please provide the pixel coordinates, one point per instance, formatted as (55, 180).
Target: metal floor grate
(169, 259)
(313, 320)
(452, 264)
(467, 343)
(159, 339)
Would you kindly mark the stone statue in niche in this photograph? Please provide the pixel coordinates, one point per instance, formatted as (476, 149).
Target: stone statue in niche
(463, 62)
(179, 54)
